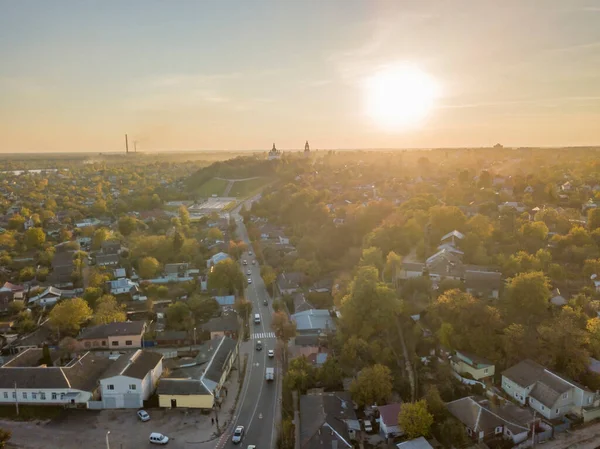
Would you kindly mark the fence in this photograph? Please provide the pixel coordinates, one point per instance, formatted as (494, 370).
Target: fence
(466, 381)
(95, 405)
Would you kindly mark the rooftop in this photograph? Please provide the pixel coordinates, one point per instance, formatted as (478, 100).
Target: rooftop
(389, 413)
(181, 387)
(112, 330)
(135, 365)
(314, 320)
(322, 420)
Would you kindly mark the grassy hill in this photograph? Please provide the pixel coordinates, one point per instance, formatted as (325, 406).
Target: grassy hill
(245, 188)
(212, 187)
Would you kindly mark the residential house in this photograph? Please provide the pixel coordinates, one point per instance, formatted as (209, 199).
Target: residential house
(289, 283)
(203, 393)
(388, 420)
(519, 207)
(8, 293)
(219, 257)
(557, 299)
(124, 286)
(24, 380)
(131, 379)
(566, 187)
(226, 325)
(327, 421)
(484, 284)
(409, 270)
(483, 420)
(322, 286)
(417, 443)
(107, 260)
(548, 393)
(120, 273)
(312, 325)
(176, 270)
(225, 302)
(88, 222)
(172, 338)
(111, 247)
(62, 269)
(48, 297)
(444, 265)
(300, 303)
(126, 335)
(478, 367)
(453, 238)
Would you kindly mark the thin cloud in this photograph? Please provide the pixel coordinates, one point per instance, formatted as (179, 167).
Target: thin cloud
(547, 102)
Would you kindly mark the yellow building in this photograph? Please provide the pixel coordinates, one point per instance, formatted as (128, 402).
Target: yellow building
(477, 367)
(205, 391)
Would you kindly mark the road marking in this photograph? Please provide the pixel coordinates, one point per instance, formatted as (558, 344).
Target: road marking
(262, 335)
(257, 364)
(260, 416)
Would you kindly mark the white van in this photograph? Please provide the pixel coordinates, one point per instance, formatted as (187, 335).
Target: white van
(158, 438)
(257, 318)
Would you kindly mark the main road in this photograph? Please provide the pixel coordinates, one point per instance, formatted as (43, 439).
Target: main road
(258, 407)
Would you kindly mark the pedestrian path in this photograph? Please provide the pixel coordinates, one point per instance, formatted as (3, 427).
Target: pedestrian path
(262, 335)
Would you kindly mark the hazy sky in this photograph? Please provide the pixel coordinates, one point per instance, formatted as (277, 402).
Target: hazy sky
(201, 74)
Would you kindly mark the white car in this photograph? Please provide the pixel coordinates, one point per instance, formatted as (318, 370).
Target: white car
(249, 253)
(368, 426)
(249, 281)
(143, 415)
(158, 438)
(238, 434)
(271, 353)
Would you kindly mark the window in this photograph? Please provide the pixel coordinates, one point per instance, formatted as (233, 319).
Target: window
(115, 343)
(498, 430)
(54, 396)
(543, 408)
(485, 371)
(95, 344)
(565, 396)
(128, 342)
(590, 400)
(43, 396)
(5, 395)
(556, 411)
(33, 395)
(87, 344)
(14, 396)
(516, 395)
(110, 387)
(132, 387)
(103, 343)
(24, 395)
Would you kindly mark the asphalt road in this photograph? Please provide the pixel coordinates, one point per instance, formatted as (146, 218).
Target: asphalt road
(259, 399)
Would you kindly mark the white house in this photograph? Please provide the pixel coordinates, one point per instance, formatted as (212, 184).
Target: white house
(546, 392)
(219, 257)
(24, 380)
(388, 420)
(123, 287)
(48, 297)
(88, 222)
(131, 379)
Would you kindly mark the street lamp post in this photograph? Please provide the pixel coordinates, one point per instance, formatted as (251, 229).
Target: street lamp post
(194, 336)
(107, 443)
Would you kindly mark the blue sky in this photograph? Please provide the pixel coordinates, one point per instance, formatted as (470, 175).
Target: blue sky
(240, 74)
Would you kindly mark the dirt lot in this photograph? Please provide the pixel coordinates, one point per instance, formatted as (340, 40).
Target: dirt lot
(584, 438)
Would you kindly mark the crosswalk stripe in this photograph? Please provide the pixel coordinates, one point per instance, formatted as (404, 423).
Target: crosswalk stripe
(262, 335)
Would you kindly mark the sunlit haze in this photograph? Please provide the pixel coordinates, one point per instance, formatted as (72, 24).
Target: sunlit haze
(238, 74)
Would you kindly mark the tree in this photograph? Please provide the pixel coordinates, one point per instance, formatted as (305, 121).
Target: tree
(435, 404)
(127, 225)
(392, 262)
(46, 357)
(27, 274)
(67, 316)
(16, 222)
(301, 375)
(5, 436)
(355, 355)
(42, 274)
(372, 257)
(99, 207)
(184, 216)
(215, 233)
(69, 346)
(35, 238)
(268, 275)
(202, 308)
(148, 267)
(284, 328)
(178, 317)
(527, 296)
(372, 386)
(243, 307)
(331, 374)
(178, 241)
(91, 295)
(226, 276)
(100, 235)
(15, 307)
(593, 219)
(108, 310)
(453, 433)
(518, 343)
(415, 420)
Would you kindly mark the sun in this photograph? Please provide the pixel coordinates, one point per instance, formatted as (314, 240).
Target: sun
(400, 96)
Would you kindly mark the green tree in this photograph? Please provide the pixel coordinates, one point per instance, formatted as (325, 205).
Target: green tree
(16, 222)
(100, 236)
(373, 385)
(453, 433)
(179, 317)
(415, 420)
(42, 274)
(108, 310)
(331, 375)
(35, 238)
(268, 275)
(178, 241)
(127, 225)
(435, 404)
(215, 233)
(301, 375)
(593, 219)
(184, 216)
(99, 207)
(393, 262)
(91, 294)
(67, 316)
(27, 274)
(202, 308)
(226, 277)
(527, 296)
(46, 358)
(148, 267)
(372, 257)
(5, 436)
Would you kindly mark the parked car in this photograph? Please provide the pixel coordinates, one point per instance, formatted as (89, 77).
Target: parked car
(238, 434)
(249, 280)
(368, 426)
(271, 353)
(158, 438)
(143, 415)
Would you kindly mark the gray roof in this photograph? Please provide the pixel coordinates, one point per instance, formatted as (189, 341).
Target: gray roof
(228, 322)
(481, 415)
(224, 350)
(314, 320)
(30, 358)
(288, 281)
(327, 413)
(181, 387)
(413, 266)
(106, 259)
(79, 374)
(135, 365)
(417, 443)
(301, 304)
(112, 330)
(175, 268)
(62, 259)
(483, 280)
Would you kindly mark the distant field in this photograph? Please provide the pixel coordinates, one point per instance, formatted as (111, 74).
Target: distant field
(244, 188)
(212, 187)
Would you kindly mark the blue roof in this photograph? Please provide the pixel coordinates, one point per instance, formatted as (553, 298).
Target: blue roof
(228, 300)
(314, 319)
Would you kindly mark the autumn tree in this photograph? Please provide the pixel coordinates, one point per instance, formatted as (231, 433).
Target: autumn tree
(415, 420)
(243, 307)
(285, 330)
(372, 386)
(593, 217)
(67, 316)
(108, 310)
(5, 436)
(527, 296)
(215, 233)
(35, 238)
(179, 317)
(392, 263)
(148, 267)
(127, 225)
(100, 236)
(226, 277)
(202, 308)
(268, 275)
(301, 375)
(184, 216)
(435, 404)
(330, 374)
(68, 346)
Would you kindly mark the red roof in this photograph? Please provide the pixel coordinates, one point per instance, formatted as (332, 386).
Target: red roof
(13, 287)
(389, 413)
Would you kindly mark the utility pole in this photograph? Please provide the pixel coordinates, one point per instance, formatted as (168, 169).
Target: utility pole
(533, 432)
(126, 145)
(16, 399)
(107, 443)
(135, 146)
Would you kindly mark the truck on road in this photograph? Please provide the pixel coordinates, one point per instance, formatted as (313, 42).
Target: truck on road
(270, 374)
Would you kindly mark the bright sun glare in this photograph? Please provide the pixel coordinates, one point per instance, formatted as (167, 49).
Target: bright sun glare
(400, 96)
